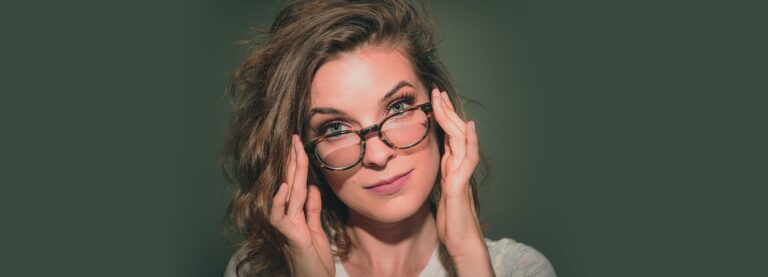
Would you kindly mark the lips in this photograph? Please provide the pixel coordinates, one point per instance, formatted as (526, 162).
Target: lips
(391, 185)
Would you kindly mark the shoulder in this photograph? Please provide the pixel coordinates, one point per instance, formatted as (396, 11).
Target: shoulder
(511, 258)
(231, 269)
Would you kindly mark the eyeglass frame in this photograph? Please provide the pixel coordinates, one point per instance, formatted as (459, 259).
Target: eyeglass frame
(311, 146)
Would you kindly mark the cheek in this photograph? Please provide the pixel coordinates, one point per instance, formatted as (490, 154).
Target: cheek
(433, 157)
(434, 147)
(426, 160)
(339, 179)
(428, 151)
(426, 156)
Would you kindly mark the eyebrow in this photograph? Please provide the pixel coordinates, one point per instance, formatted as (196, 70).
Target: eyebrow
(390, 93)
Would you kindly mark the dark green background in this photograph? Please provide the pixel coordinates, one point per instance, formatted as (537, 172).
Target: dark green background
(625, 138)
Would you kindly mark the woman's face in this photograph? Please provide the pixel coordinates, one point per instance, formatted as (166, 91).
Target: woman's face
(357, 90)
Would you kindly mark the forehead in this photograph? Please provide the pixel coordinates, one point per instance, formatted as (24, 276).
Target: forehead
(361, 77)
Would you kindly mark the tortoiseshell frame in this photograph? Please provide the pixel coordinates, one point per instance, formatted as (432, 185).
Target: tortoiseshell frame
(311, 147)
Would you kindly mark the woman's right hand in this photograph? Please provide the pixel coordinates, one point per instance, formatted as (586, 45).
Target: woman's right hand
(296, 214)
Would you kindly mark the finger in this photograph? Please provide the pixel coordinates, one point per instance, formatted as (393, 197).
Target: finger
(456, 120)
(313, 210)
(445, 110)
(454, 133)
(458, 146)
(442, 117)
(448, 101)
(451, 112)
(444, 166)
(460, 178)
(291, 169)
(469, 163)
(473, 148)
(299, 188)
(445, 161)
(314, 207)
(278, 205)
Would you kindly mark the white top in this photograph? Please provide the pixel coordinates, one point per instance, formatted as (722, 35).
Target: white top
(509, 258)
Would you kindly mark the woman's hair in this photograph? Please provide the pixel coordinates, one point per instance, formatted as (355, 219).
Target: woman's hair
(270, 99)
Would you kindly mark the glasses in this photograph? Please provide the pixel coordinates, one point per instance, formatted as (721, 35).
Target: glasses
(344, 149)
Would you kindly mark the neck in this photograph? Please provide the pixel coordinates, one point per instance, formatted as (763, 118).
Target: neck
(398, 247)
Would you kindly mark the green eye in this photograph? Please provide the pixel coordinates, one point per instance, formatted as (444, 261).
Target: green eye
(402, 103)
(398, 107)
(332, 128)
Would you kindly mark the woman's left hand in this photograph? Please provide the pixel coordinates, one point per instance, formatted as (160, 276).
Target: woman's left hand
(457, 222)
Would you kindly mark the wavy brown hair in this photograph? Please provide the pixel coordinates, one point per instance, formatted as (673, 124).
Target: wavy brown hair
(270, 99)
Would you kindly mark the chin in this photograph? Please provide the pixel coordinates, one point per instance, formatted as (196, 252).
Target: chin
(393, 211)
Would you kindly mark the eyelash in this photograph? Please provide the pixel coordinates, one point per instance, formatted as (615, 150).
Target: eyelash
(407, 98)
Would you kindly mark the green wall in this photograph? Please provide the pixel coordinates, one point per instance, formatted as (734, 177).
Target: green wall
(625, 138)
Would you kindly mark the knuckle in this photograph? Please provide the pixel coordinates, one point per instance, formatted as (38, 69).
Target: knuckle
(473, 161)
(471, 135)
(470, 157)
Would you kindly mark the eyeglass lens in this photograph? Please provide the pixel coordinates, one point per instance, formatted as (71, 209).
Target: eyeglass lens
(400, 131)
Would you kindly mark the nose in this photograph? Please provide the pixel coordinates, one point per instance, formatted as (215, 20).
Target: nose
(377, 153)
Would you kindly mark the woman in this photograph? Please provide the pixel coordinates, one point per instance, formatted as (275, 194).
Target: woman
(351, 155)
